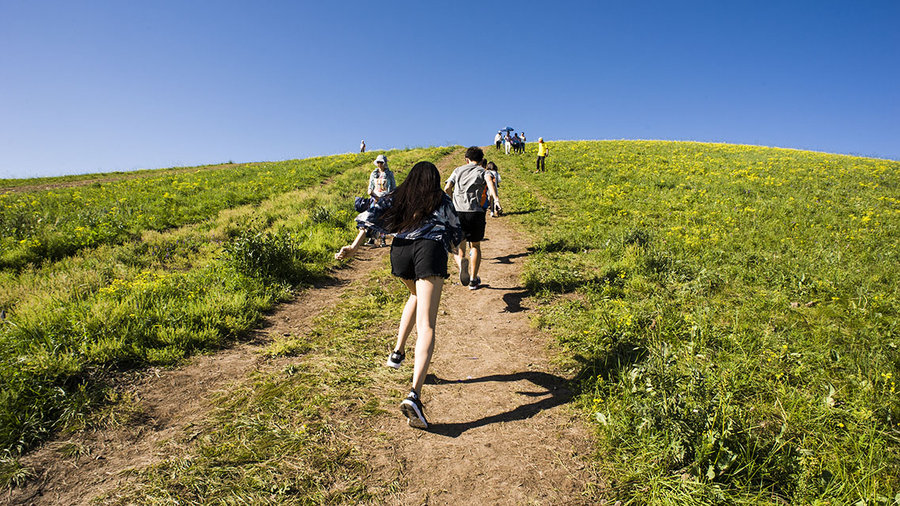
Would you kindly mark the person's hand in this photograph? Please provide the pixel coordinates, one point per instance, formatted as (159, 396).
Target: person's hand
(345, 252)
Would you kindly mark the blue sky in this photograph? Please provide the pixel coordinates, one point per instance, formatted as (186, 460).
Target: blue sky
(97, 86)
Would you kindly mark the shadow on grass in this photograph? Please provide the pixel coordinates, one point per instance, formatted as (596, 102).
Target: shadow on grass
(519, 213)
(555, 392)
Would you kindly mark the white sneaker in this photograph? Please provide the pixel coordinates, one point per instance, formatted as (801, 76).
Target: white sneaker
(414, 411)
(395, 359)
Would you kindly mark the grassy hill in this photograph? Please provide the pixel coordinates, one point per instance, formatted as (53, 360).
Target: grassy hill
(732, 312)
(119, 274)
(729, 312)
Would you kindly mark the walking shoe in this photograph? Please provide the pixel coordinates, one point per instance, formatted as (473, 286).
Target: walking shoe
(475, 284)
(370, 241)
(415, 413)
(383, 242)
(395, 359)
(464, 272)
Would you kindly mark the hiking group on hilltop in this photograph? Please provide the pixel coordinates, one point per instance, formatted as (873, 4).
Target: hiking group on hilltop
(511, 141)
(516, 143)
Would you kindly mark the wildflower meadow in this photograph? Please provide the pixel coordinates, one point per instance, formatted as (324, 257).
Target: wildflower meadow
(731, 313)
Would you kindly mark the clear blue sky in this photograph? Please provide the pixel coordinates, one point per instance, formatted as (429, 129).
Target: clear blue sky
(91, 86)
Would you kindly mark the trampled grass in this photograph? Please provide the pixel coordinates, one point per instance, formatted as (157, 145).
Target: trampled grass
(71, 324)
(732, 312)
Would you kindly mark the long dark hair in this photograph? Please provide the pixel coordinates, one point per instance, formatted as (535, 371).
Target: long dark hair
(415, 199)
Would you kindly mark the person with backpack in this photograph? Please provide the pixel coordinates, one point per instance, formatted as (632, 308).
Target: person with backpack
(426, 229)
(468, 189)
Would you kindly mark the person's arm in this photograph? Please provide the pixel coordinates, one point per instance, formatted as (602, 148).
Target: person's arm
(348, 251)
(371, 190)
(448, 188)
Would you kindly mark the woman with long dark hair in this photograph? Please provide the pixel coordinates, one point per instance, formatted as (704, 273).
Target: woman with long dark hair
(426, 228)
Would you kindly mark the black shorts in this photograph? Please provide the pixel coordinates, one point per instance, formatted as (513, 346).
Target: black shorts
(472, 224)
(418, 259)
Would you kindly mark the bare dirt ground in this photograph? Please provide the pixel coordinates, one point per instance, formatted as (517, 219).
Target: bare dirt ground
(502, 428)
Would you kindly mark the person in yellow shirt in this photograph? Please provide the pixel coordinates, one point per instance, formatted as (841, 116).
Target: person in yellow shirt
(543, 151)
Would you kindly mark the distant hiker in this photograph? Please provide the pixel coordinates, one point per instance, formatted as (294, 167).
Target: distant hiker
(425, 229)
(518, 145)
(492, 174)
(468, 189)
(543, 151)
(507, 143)
(498, 139)
(381, 182)
(522, 136)
(362, 146)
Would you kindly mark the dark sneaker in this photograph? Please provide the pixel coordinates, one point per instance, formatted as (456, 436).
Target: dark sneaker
(396, 359)
(475, 284)
(415, 413)
(464, 272)
(383, 242)
(370, 242)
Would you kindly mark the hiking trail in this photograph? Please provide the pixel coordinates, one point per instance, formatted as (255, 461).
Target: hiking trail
(502, 430)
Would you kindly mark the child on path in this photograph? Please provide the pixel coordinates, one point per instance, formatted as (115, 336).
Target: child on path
(467, 186)
(425, 228)
(381, 182)
(491, 173)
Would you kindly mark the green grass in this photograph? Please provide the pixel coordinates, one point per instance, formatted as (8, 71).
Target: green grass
(285, 436)
(37, 226)
(74, 323)
(731, 312)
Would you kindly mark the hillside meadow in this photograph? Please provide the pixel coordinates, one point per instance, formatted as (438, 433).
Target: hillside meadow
(731, 312)
(112, 276)
(728, 313)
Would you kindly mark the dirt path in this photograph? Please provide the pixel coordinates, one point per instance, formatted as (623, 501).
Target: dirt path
(502, 432)
(502, 429)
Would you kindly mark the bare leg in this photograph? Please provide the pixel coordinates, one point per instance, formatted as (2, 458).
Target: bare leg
(429, 298)
(408, 318)
(465, 272)
(460, 254)
(475, 261)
